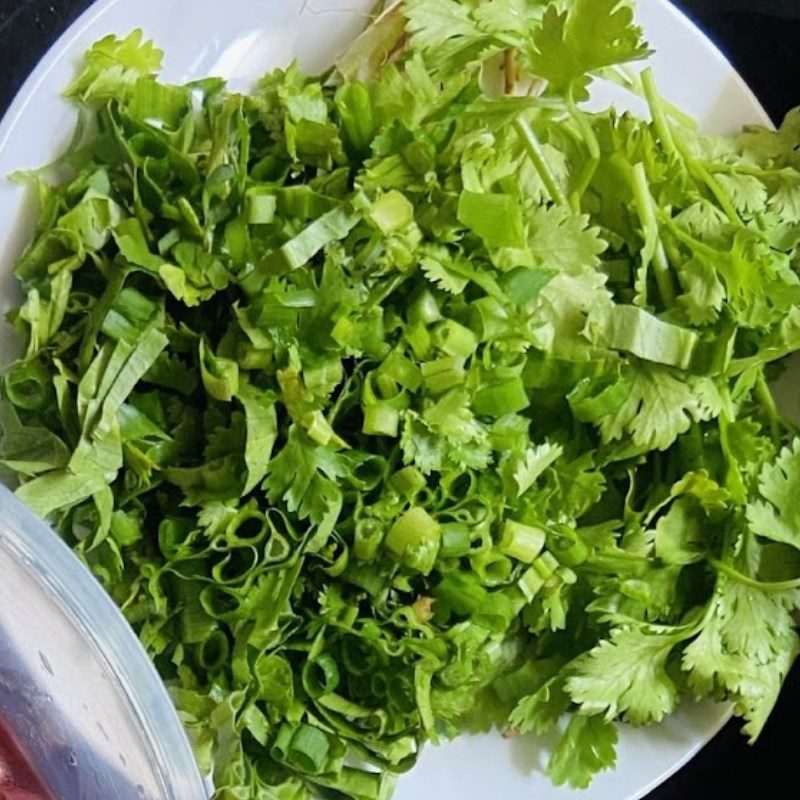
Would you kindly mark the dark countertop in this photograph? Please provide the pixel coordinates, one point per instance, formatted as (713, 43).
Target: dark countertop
(761, 39)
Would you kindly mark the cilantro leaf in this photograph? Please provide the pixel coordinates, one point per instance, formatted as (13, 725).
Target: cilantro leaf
(778, 518)
(304, 476)
(588, 746)
(113, 65)
(626, 676)
(660, 407)
(589, 35)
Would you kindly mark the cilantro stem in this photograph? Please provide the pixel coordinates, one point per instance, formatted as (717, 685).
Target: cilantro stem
(744, 169)
(534, 149)
(675, 145)
(767, 356)
(657, 111)
(767, 401)
(590, 138)
(732, 572)
(647, 214)
(702, 174)
(733, 476)
(626, 78)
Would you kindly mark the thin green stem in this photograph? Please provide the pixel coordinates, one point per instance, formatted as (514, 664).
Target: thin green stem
(708, 179)
(593, 145)
(675, 145)
(647, 213)
(767, 401)
(745, 169)
(657, 111)
(732, 572)
(631, 81)
(536, 153)
(768, 356)
(733, 474)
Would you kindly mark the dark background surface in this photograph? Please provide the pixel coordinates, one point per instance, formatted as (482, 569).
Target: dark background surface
(762, 39)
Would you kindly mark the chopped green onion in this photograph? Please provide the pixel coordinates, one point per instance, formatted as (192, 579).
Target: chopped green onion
(456, 540)
(260, 206)
(444, 374)
(354, 104)
(400, 369)
(592, 400)
(392, 212)
(320, 676)
(174, 536)
(366, 577)
(304, 748)
(368, 538)
(222, 603)
(461, 591)
(414, 540)
(492, 568)
(28, 385)
(387, 387)
(454, 339)
(569, 546)
(212, 654)
(237, 241)
(381, 420)
(504, 397)
(496, 613)
(490, 319)
(522, 542)
(534, 579)
(236, 567)
(714, 356)
(279, 525)
(408, 482)
(248, 527)
(276, 552)
(424, 309)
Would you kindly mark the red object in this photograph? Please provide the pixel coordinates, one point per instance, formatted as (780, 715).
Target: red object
(18, 780)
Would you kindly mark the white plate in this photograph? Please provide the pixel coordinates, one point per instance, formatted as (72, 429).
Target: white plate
(240, 39)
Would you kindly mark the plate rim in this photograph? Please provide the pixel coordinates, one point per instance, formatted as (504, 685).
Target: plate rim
(707, 41)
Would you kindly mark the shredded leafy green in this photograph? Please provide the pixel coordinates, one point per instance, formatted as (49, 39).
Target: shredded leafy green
(395, 404)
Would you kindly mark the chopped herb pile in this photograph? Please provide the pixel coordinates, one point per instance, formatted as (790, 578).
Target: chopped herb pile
(416, 399)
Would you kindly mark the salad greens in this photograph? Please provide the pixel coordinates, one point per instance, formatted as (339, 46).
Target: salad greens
(415, 399)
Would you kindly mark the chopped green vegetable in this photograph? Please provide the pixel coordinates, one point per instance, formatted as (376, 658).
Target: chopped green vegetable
(390, 405)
